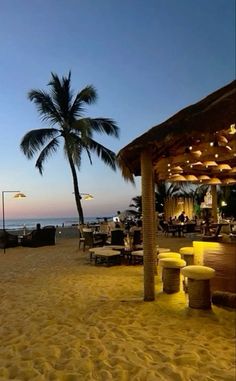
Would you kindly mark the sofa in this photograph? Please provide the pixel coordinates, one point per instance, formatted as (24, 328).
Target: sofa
(40, 237)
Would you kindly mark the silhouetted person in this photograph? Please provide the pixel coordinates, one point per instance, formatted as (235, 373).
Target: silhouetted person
(181, 217)
(38, 226)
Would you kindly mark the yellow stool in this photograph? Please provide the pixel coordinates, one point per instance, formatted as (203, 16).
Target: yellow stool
(171, 274)
(187, 254)
(199, 285)
(170, 254)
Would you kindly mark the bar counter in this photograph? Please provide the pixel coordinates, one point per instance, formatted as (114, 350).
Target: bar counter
(222, 258)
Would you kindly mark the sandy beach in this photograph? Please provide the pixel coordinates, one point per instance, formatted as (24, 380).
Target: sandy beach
(63, 319)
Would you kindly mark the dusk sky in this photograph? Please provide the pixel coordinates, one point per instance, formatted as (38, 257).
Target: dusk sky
(147, 60)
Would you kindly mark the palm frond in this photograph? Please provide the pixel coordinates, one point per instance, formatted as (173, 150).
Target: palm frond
(73, 147)
(45, 153)
(88, 95)
(82, 128)
(107, 156)
(45, 106)
(34, 140)
(61, 94)
(89, 156)
(103, 126)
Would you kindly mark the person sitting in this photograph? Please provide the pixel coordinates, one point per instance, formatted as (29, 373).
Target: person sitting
(182, 217)
(38, 227)
(117, 226)
(104, 226)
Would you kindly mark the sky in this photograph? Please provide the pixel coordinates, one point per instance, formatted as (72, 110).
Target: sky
(147, 59)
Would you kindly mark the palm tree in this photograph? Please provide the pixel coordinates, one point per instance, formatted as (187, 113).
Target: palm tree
(62, 109)
(165, 190)
(136, 202)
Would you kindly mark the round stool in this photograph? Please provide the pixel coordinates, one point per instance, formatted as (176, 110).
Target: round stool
(170, 254)
(199, 285)
(187, 254)
(171, 274)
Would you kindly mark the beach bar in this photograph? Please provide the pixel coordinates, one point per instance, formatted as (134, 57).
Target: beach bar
(198, 144)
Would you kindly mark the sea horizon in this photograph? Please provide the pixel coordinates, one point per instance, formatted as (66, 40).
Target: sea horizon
(30, 223)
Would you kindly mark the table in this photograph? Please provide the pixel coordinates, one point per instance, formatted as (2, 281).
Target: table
(105, 256)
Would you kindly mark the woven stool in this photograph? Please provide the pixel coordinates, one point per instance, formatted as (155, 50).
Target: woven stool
(170, 254)
(171, 274)
(199, 285)
(187, 254)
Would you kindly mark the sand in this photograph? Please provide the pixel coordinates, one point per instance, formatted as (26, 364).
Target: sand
(64, 319)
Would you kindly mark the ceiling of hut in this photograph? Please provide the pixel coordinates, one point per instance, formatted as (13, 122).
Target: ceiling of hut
(198, 144)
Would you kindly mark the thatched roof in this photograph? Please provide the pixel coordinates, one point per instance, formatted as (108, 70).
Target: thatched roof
(200, 132)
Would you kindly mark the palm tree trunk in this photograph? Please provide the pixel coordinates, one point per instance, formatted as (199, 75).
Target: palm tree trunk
(76, 191)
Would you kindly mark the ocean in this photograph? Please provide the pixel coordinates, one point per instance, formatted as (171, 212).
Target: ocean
(30, 223)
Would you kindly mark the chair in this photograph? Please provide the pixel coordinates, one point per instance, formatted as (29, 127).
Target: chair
(137, 239)
(90, 240)
(40, 237)
(81, 235)
(215, 236)
(7, 239)
(168, 228)
(117, 237)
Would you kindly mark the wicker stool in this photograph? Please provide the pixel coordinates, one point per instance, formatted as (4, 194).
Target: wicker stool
(187, 254)
(199, 285)
(171, 274)
(170, 254)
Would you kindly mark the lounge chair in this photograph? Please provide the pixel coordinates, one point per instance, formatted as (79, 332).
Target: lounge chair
(40, 237)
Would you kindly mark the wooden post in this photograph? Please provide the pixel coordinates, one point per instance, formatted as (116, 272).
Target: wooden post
(214, 203)
(148, 226)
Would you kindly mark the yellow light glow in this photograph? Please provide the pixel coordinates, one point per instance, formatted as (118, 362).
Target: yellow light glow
(232, 129)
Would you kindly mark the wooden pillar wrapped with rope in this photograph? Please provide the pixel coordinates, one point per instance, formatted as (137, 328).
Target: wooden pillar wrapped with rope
(154, 244)
(148, 226)
(214, 202)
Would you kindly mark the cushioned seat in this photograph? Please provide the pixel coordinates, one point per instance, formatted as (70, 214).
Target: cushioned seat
(171, 274)
(199, 285)
(187, 253)
(186, 250)
(169, 254)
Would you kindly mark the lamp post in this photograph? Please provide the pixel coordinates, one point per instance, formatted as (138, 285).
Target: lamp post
(17, 195)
